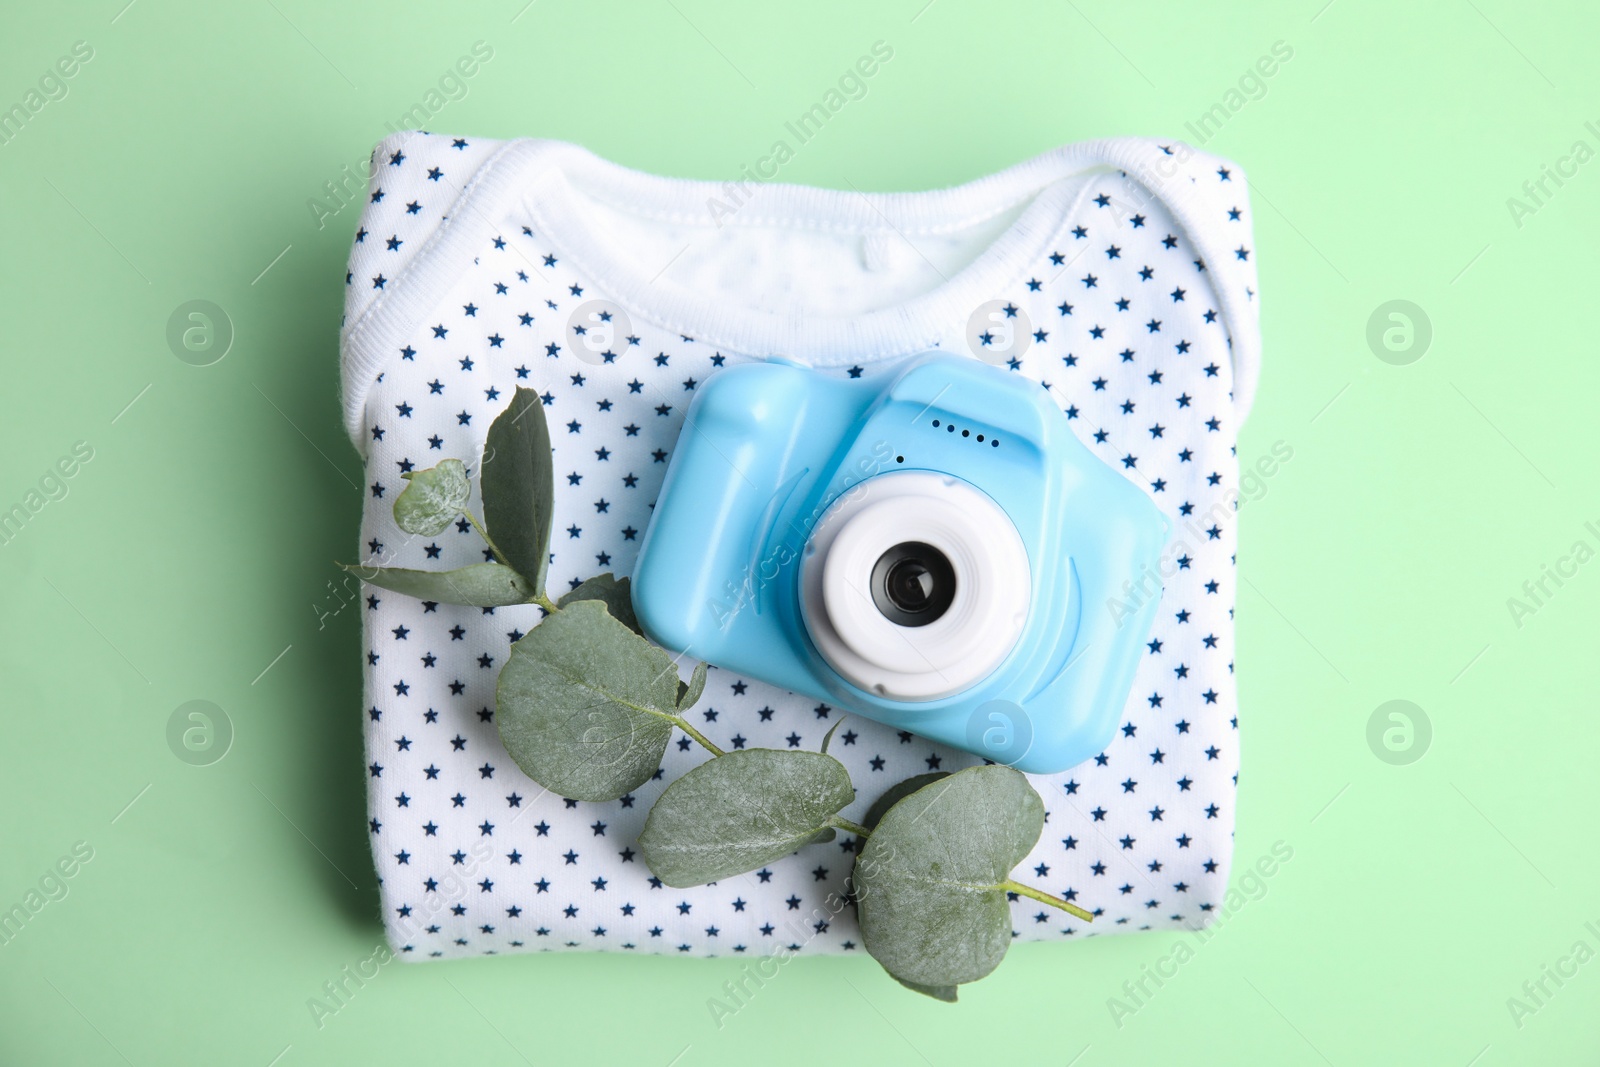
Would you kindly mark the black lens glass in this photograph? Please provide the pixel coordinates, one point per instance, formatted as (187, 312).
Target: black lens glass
(913, 584)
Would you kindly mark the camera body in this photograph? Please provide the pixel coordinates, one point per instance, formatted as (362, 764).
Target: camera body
(930, 547)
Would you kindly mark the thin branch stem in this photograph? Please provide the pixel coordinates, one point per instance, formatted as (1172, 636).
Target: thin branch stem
(483, 533)
(842, 823)
(1045, 898)
(539, 596)
(705, 742)
(847, 826)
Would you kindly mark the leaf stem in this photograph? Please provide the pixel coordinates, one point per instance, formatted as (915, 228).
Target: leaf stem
(1045, 898)
(705, 742)
(846, 825)
(483, 533)
(840, 822)
(539, 597)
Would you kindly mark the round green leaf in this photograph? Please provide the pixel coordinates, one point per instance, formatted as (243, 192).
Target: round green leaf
(433, 498)
(689, 692)
(611, 591)
(583, 704)
(518, 486)
(898, 792)
(481, 585)
(946, 993)
(929, 883)
(741, 811)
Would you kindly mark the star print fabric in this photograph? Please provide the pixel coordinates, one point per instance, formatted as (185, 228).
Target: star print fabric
(1126, 270)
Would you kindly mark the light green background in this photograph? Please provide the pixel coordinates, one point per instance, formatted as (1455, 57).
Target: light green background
(194, 547)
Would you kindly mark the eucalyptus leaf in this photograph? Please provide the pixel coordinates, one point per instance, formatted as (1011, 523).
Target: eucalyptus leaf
(583, 704)
(689, 694)
(930, 881)
(741, 811)
(611, 591)
(433, 498)
(898, 792)
(480, 585)
(518, 487)
(946, 993)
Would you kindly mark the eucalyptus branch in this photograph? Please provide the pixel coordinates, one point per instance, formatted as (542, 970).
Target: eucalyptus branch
(586, 705)
(705, 742)
(839, 822)
(1045, 898)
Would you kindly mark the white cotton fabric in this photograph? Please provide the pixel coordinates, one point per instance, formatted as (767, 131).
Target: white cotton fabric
(1131, 262)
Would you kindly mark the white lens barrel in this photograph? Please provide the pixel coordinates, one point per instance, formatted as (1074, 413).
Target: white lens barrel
(958, 649)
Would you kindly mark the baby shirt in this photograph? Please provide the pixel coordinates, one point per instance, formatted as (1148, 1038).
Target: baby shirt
(1118, 274)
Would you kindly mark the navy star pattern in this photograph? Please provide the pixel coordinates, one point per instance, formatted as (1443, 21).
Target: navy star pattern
(475, 858)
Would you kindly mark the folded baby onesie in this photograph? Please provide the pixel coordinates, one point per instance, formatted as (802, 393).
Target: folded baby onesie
(1118, 274)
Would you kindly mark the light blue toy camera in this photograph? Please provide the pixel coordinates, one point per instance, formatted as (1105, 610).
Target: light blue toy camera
(930, 547)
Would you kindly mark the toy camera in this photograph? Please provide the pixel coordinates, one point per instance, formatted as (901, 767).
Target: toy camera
(930, 547)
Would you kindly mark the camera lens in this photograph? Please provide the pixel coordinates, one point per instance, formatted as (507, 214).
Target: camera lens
(913, 584)
(916, 587)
